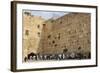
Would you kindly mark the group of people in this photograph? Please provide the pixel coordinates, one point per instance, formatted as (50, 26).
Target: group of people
(61, 56)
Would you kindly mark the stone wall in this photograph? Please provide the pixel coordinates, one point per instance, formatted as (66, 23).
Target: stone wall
(32, 29)
(68, 32)
(71, 31)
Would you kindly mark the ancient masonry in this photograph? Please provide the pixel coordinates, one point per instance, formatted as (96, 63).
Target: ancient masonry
(70, 32)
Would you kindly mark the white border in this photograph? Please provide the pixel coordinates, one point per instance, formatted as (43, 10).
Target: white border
(49, 64)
